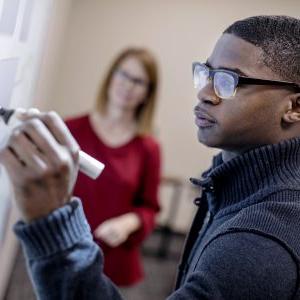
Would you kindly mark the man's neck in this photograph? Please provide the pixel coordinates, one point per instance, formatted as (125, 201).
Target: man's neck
(228, 155)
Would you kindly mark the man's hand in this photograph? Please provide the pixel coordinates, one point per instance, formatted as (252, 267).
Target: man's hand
(116, 231)
(41, 158)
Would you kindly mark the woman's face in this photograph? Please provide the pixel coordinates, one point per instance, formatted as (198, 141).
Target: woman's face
(129, 84)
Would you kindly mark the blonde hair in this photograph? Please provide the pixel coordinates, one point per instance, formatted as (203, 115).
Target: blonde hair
(145, 111)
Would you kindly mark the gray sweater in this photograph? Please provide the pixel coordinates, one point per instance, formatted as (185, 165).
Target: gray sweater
(243, 244)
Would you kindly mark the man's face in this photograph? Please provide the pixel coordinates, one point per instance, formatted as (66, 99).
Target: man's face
(253, 116)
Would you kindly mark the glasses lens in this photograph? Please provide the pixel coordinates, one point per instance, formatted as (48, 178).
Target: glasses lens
(224, 84)
(201, 74)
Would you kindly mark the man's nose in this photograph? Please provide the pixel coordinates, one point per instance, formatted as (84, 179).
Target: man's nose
(207, 94)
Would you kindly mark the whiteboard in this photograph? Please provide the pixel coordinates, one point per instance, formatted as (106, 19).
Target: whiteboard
(23, 26)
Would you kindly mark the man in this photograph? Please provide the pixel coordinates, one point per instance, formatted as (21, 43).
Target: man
(244, 242)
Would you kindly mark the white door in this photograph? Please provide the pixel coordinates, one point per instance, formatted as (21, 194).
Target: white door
(23, 26)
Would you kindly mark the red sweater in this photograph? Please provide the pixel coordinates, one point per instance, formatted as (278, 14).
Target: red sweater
(129, 183)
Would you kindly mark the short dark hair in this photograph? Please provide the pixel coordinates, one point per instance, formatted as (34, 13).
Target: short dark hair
(278, 37)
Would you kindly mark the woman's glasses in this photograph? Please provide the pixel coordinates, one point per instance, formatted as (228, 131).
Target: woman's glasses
(226, 82)
(134, 80)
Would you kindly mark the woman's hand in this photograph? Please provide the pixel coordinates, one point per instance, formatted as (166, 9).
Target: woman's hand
(41, 158)
(116, 231)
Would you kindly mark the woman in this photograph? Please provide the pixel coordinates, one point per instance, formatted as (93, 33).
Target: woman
(121, 204)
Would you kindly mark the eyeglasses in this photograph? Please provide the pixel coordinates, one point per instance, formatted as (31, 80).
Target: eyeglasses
(225, 82)
(134, 80)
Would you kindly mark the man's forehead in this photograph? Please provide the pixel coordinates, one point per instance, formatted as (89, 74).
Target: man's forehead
(232, 52)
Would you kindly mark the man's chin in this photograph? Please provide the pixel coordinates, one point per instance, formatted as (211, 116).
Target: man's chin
(208, 140)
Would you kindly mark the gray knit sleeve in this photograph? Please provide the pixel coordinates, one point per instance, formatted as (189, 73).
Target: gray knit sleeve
(62, 259)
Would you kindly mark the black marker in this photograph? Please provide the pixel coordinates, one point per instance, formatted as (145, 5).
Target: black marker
(5, 114)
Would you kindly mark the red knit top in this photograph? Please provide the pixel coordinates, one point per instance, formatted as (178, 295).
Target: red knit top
(129, 183)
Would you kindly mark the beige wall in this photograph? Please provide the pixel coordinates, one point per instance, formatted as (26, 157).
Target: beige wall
(177, 31)
(52, 52)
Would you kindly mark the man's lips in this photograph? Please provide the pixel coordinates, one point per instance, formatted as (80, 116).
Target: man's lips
(203, 119)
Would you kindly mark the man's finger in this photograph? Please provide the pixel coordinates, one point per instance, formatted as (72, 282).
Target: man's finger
(60, 131)
(28, 153)
(11, 163)
(39, 135)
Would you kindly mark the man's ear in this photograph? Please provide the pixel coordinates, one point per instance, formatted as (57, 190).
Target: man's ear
(292, 114)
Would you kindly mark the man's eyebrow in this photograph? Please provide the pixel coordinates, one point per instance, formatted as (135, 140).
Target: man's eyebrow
(236, 70)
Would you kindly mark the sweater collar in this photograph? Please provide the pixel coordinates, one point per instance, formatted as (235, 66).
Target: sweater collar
(260, 169)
